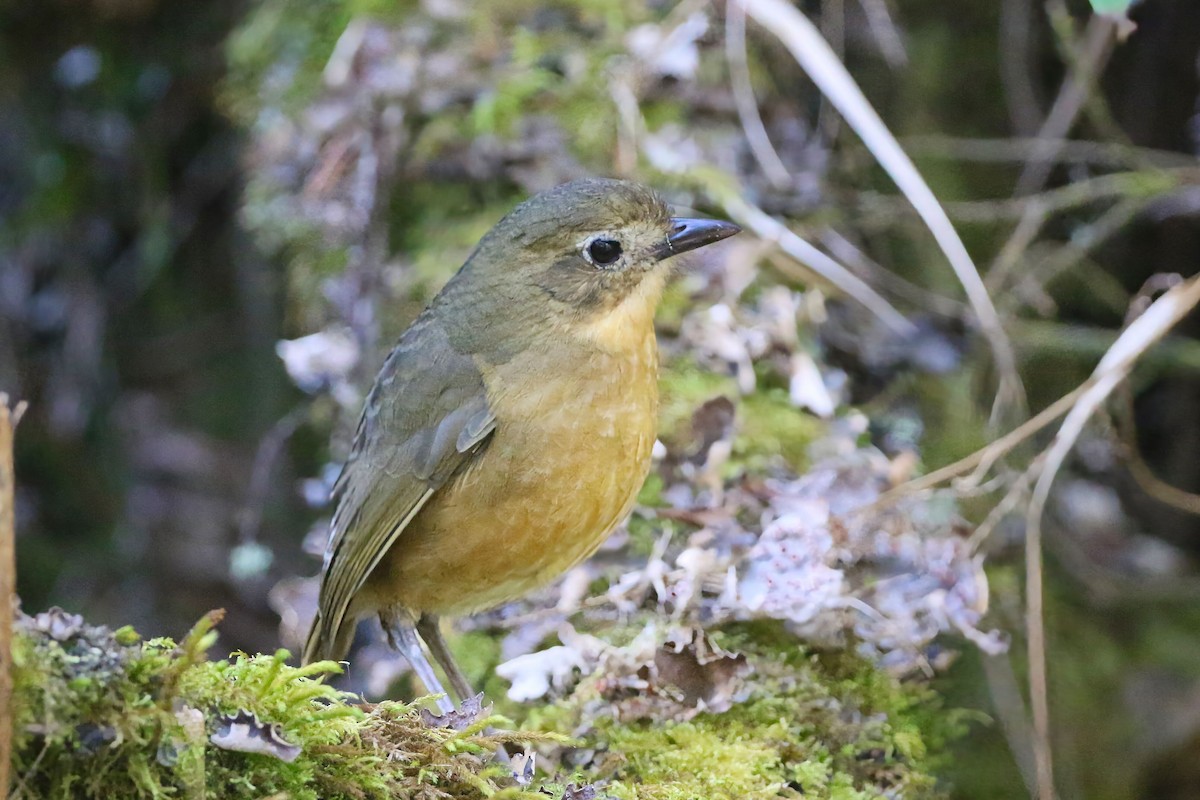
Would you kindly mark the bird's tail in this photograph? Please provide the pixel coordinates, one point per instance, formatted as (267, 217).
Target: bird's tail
(314, 646)
(324, 643)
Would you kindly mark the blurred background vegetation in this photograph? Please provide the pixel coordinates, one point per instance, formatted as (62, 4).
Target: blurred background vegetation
(184, 185)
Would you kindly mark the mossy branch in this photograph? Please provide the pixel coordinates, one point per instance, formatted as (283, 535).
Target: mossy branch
(8, 573)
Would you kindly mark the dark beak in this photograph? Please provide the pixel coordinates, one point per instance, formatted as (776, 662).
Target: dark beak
(688, 234)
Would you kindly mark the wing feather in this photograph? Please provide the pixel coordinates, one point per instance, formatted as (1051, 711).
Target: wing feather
(425, 418)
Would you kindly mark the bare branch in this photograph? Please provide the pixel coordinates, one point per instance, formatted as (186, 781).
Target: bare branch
(8, 575)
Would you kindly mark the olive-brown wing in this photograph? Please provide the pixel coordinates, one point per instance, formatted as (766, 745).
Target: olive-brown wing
(425, 417)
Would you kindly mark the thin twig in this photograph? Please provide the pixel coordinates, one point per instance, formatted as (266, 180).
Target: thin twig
(249, 519)
(766, 227)
(1113, 368)
(1110, 155)
(631, 125)
(769, 229)
(1009, 707)
(992, 451)
(1085, 239)
(833, 29)
(1097, 46)
(1174, 355)
(1137, 185)
(846, 252)
(1016, 65)
(883, 30)
(1035, 634)
(23, 780)
(743, 97)
(1033, 218)
(1016, 493)
(1151, 484)
(814, 55)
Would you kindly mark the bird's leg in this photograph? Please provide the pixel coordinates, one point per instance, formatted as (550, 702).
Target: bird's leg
(431, 632)
(402, 635)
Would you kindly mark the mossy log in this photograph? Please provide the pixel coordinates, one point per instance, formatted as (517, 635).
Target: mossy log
(105, 714)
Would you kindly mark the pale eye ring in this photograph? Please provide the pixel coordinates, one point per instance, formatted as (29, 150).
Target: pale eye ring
(602, 251)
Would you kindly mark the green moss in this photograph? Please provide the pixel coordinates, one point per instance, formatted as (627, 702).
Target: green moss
(770, 426)
(683, 387)
(99, 714)
(954, 425)
(437, 224)
(727, 760)
(478, 653)
(498, 110)
(817, 725)
(276, 56)
(644, 534)
(676, 302)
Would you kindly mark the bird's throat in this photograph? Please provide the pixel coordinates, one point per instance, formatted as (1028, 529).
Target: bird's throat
(625, 327)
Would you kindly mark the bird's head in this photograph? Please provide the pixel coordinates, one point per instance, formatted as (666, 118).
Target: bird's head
(590, 252)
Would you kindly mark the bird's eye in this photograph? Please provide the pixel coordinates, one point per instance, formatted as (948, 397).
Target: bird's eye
(603, 252)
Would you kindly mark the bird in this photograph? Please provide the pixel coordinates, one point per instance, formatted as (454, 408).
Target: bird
(511, 427)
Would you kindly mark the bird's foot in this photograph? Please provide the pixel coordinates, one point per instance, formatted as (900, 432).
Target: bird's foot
(467, 714)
